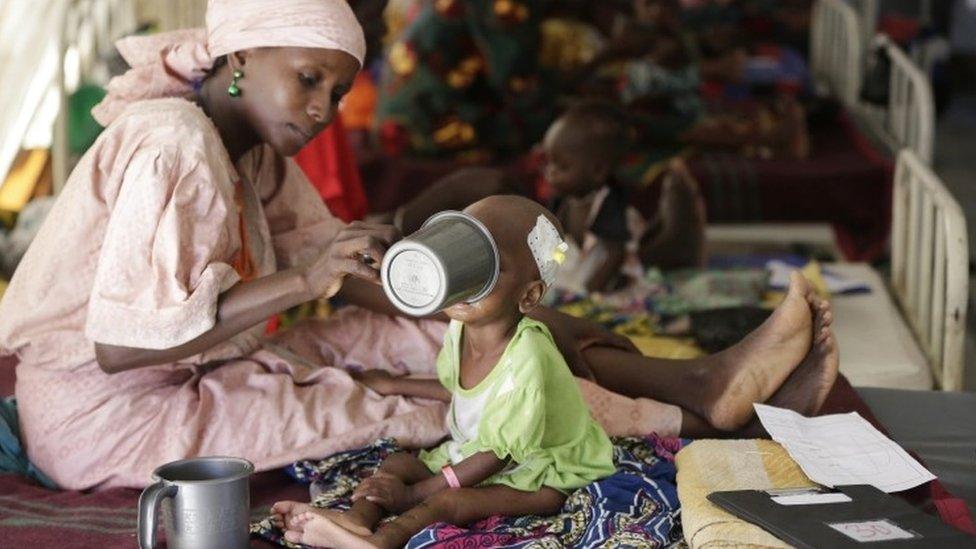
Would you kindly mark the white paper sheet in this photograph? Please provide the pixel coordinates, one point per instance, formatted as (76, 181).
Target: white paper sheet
(843, 449)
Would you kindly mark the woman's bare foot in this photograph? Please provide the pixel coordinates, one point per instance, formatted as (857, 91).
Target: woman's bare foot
(754, 369)
(320, 530)
(807, 387)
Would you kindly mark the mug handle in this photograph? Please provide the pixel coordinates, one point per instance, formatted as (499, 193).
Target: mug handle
(149, 502)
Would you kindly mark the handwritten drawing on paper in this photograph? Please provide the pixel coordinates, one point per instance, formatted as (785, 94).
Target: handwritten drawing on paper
(843, 449)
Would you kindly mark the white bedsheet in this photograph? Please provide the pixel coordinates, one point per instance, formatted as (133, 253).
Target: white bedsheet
(877, 348)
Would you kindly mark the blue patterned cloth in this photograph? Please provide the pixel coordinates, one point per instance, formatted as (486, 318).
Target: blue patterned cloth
(636, 507)
(13, 459)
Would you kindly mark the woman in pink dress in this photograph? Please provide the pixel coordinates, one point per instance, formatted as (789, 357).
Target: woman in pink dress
(136, 315)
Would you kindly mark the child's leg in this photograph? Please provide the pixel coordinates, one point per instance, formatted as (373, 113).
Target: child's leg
(461, 506)
(364, 515)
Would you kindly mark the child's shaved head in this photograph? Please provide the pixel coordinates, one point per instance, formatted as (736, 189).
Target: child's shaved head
(600, 127)
(509, 218)
(584, 145)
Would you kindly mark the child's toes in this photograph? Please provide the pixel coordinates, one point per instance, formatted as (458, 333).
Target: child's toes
(302, 519)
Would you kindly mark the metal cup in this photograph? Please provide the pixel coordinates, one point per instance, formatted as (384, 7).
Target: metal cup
(206, 504)
(452, 258)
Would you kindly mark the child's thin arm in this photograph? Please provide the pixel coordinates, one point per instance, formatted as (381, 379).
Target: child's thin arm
(470, 472)
(393, 494)
(387, 384)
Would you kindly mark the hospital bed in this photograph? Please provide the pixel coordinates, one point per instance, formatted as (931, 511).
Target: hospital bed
(909, 332)
(836, 200)
(911, 337)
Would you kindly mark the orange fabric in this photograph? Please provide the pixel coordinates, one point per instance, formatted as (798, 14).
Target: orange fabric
(330, 165)
(359, 105)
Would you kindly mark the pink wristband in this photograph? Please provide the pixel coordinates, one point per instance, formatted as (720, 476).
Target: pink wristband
(452, 479)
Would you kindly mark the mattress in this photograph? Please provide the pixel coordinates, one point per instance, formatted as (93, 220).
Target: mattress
(877, 348)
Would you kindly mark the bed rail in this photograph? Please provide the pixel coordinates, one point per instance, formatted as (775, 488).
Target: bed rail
(910, 118)
(930, 266)
(836, 56)
(867, 12)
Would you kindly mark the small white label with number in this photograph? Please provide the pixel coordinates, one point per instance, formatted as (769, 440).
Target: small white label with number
(872, 530)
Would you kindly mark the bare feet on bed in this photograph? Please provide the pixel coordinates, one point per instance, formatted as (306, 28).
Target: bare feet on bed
(754, 369)
(319, 530)
(807, 387)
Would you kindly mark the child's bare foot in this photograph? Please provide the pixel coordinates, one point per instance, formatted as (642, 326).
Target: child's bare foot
(284, 512)
(754, 369)
(318, 530)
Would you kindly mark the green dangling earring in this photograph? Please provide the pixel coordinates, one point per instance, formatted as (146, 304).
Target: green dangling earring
(233, 90)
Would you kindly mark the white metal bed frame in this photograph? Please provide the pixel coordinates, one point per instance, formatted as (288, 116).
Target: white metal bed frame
(910, 118)
(930, 266)
(836, 50)
(838, 58)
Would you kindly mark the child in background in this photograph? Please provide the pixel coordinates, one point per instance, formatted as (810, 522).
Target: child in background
(583, 148)
(521, 434)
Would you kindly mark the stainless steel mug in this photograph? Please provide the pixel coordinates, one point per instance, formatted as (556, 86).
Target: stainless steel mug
(452, 258)
(206, 503)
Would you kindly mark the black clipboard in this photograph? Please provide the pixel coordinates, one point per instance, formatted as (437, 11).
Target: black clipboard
(871, 518)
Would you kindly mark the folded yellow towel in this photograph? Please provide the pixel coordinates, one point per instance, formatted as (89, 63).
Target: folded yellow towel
(707, 466)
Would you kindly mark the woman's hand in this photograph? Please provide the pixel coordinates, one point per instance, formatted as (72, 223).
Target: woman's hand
(385, 490)
(381, 381)
(357, 250)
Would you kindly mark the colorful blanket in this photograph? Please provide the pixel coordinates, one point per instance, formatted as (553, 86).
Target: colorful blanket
(636, 507)
(640, 308)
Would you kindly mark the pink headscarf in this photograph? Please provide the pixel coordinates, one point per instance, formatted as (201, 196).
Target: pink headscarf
(168, 64)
